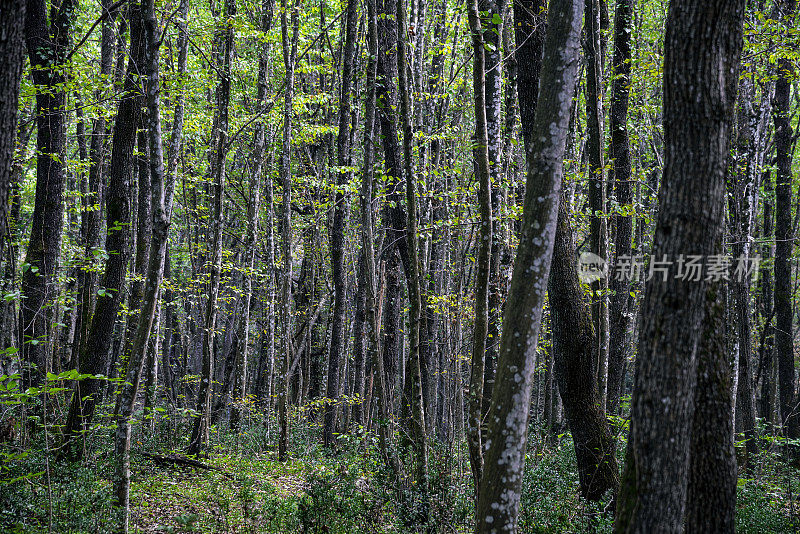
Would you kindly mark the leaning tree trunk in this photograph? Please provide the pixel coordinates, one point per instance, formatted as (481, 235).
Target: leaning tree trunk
(504, 460)
(702, 47)
(574, 357)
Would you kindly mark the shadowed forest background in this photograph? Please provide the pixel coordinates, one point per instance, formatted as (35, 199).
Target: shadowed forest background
(313, 266)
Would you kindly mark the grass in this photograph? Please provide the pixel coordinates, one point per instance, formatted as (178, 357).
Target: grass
(248, 491)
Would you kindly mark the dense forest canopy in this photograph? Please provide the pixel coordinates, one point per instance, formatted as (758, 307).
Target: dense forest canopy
(399, 266)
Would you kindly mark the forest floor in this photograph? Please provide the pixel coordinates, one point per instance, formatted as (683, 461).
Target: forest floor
(242, 488)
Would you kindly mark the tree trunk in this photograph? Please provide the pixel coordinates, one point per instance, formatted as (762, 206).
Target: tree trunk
(412, 271)
(289, 55)
(161, 190)
(784, 346)
(253, 214)
(573, 357)
(598, 228)
(711, 491)
(94, 359)
(501, 484)
(339, 222)
(483, 259)
(202, 424)
(702, 47)
(46, 45)
(619, 316)
(12, 55)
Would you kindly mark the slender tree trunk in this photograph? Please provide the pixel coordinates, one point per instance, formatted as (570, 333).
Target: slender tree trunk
(385, 426)
(619, 316)
(289, 56)
(742, 189)
(481, 325)
(339, 222)
(413, 270)
(161, 189)
(202, 424)
(253, 215)
(595, 145)
(501, 484)
(702, 47)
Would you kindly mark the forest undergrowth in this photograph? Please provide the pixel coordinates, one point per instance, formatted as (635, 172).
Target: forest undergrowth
(239, 486)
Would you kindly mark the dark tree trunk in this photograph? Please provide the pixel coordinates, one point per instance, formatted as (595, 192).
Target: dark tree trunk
(504, 460)
(46, 45)
(12, 54)
(385, 427)
(573, 357)
(784, 346)
(94, 358)
(702, 47)
(711, 491)
(619, 317)
(339, 222)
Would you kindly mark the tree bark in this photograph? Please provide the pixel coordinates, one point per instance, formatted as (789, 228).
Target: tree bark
(595, 145)
(253, 216)
(289, 56)
(784, 346)
(339, 222)
(46, 45)
(619, 316)
(702, 47)
(481, 325)
(12, 55)
(573, 358)
(711, 491)
(94, 358)
(202, 424)
(420, 441)
(501, 484)
(162, 193)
